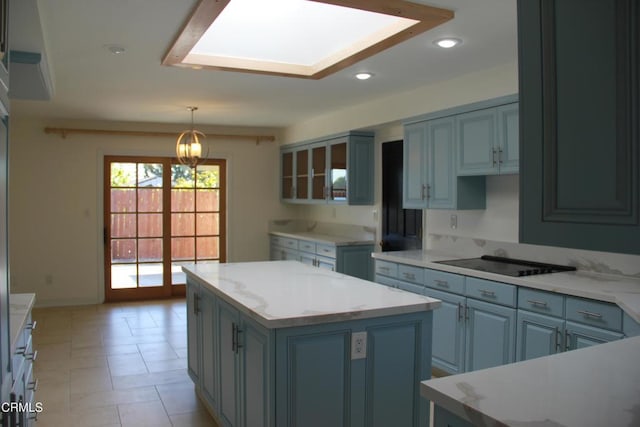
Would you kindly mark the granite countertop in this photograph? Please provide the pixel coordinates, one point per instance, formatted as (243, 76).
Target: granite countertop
(591, 387)
(19, 307)
(621, 290)
(323, 238)
(288, 293)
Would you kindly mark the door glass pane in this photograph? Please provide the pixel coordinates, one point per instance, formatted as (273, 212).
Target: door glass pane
(123, 174)
(150, 200)
(150, 225)
(207, 247)
(302, 174)
(123, 250)
(208, 200)
(183, 248)
(123, 200)
(124, 276)
(287, 175)
(149, 250)
(150, 275)
(149, 175)
(208, 223)
(123, 225)
(182, 224)
(182, 200)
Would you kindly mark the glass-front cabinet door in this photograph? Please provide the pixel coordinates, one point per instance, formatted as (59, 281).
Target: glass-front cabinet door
(319, 172)
(302, 174)
(287, 175)
(338, 171)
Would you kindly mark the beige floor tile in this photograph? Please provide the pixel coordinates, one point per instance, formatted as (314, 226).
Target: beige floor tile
(166, 365)
(110, 350)
(90, 379)
(95, 417)
(49, 352)
(200, 418)
(99, 399)
(156, 378)
(150, 414)
(157, 351)
(128, 364)
(179, 398)
(80, 342)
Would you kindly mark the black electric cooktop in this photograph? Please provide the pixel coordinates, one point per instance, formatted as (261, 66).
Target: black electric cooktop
(507, 266)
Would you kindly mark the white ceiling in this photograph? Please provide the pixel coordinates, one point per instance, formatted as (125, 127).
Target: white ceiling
(90, 83)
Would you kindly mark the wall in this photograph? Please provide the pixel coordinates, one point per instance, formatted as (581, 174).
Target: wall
(56, 206)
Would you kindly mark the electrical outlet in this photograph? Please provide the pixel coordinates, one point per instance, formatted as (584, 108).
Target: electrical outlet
(358, 345)
(453, 221)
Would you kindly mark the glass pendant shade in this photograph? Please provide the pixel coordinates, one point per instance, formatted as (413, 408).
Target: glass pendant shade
(189, 147)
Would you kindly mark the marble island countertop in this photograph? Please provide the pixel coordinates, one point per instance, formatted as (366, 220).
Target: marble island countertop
(621, 290)
(288, 293)
(323, 238)
(591, 387)
(19, 307)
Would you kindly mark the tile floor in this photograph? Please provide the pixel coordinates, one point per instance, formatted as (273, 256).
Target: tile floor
(115, 365)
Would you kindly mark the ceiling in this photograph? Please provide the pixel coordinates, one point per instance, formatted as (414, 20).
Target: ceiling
(91, 83)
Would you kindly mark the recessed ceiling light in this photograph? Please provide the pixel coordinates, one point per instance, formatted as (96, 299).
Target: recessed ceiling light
(447, 43)
(364, 76)
(116, 49)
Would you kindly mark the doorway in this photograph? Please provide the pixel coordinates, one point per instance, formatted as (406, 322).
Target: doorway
(401, 228)
(158, 216)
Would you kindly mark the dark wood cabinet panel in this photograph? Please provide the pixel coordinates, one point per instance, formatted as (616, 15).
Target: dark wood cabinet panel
(579, 116)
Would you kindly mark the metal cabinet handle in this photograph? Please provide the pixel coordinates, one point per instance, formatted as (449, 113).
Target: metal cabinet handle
(466, 312)
(459, 311)
(567, 340)
(387, 269)
(409, 276)
(21, 351)
(486, 293)
(493, 157)
(238, 332)
(33, 385)
(32, 356)
(423, 192)
(558, 336)
(590, 314)
(32, 325)
(537, 303)
(235, 341)
(442, 283)
(500, 155)
(428, 191)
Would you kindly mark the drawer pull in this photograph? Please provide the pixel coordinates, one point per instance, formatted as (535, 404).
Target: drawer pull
(442, 283)
(409, 276)
(33, 385)
(21, 351)
(486, 293)
(537, 303)
(387, 269)
(590, 314)
(32, 356)
(32, 325)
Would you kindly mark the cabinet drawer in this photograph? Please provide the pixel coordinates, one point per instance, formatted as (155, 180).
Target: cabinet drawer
(386, 268)
(595, 313)
(411, 274)
(307, 246)
(326, 250)
(444, 281)
(486, 290)
(541, 302)
(284, 242)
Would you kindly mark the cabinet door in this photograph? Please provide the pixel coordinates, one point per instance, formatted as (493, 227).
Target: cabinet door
(441, 184)
(508, 138)
(307, 258)
(579, 96)
(414, 173)
(337, 171)
(193, 332)
(448, 332)
(476, 138)
(287, 186)
(256, 375)
(326, 263)
(302, 174)
(538, 335)
(208, 356)
(318, 164)
(228, 318)
(581, 336)
(360, 170)
(490, 335)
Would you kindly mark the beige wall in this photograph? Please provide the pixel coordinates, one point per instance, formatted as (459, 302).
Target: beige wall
(56, 203)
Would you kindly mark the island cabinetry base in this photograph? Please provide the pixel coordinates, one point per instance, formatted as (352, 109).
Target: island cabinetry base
(322, 374)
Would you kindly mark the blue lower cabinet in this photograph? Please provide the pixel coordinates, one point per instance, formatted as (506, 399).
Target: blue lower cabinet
(630, 327)
(581, 336)
(444, 418)
(490, 336)
(319, 383)
(538, 335)
(448, 332)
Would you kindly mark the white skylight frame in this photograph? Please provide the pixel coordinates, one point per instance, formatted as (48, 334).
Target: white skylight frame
(208, 34)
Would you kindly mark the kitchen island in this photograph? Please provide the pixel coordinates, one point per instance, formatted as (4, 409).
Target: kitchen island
(591, 387)
(282, 343)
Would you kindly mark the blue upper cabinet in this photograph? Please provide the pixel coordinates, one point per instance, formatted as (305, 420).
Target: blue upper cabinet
(334, 170)
(579, 116)
(487, 142)
(429, 173)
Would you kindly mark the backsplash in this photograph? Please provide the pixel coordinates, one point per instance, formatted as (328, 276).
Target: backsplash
(599, 262)
(357, 232)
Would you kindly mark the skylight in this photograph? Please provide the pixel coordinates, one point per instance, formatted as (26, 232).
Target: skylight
(301, 38)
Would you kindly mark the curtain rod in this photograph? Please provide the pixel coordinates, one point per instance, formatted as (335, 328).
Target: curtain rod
(63, 132)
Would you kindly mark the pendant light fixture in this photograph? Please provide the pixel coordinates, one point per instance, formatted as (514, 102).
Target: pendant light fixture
(189, 148)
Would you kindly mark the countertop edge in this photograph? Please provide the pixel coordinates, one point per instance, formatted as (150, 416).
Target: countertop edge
(611, 297)
(18, 315)
(323, 238)
(315, 319)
